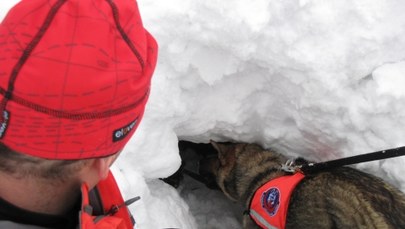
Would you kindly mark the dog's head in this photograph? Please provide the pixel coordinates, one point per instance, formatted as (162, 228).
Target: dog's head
(238, 165)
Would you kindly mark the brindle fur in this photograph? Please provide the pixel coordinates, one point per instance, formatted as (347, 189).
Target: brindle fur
(340, 198)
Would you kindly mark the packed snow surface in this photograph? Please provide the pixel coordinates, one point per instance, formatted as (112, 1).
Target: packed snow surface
(318, 79)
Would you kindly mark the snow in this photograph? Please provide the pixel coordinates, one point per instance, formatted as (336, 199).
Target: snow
(319, 79)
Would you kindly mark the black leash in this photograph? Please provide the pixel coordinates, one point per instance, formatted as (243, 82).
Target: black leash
(311, 168)
(379, 155)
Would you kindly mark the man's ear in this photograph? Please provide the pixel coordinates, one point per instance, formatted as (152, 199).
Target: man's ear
(103, 166)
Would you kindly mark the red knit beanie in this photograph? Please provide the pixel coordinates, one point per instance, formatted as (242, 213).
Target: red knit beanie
(74, 77)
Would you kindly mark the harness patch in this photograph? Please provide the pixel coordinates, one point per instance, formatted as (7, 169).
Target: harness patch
(269, 204)
(271, 200)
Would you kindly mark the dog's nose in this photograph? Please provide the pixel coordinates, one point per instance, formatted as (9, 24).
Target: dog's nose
(205, 167)
(208, 172)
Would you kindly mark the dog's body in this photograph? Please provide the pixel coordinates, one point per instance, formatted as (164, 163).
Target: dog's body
(339, 198)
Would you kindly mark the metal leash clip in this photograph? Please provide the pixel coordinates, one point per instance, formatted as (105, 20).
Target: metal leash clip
(290, 166)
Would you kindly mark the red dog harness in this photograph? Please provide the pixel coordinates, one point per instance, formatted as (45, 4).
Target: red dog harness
(270, 202)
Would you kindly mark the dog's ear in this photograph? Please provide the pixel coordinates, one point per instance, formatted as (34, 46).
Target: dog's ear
(221, 152)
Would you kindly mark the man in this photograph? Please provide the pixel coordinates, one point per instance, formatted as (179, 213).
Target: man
(74, 81)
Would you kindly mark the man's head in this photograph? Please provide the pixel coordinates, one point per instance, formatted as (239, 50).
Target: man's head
(20, 166)
(47, 186)
(74, 77)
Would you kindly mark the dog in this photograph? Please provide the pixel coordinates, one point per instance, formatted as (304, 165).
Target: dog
(343, 197)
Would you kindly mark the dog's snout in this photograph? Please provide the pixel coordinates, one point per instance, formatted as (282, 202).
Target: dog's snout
(207, 169)
(206, 166)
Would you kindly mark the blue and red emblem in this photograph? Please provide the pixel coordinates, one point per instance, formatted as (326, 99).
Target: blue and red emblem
(271, 201)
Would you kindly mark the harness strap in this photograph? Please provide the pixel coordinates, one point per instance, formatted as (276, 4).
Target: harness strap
(260, 220)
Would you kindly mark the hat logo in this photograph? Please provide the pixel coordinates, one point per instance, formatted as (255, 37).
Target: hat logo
(4, 123)
(122, 132)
